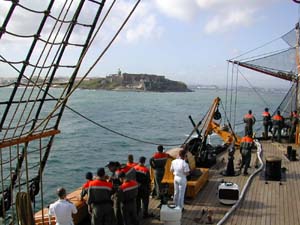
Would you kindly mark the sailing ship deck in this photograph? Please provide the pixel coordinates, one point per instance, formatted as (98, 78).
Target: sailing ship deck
(265, 202)
(271, 202)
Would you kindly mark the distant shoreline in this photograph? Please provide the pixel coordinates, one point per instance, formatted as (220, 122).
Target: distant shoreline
(191, 87)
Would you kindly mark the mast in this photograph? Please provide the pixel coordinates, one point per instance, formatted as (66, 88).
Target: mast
(297, 84)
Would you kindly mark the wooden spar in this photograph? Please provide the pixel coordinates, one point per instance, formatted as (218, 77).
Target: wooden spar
(273, 74)
(297, 84)
(28, 138)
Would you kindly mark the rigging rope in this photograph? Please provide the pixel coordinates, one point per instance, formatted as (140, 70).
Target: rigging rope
(254, 89)
(99, 124)
(235, 99)
(252, 50)
(29, 54)
(231, 92)
(31, 10)
(118, 133)
(58, 56)
(227, 120)
(267, 54)
(7, 18)
(226, 90)
(93, 65)
(104, 127)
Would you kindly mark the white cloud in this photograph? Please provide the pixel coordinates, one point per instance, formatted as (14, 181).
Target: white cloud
(228, 21)
(148, 30)
(228, 15)
(211, 4)
(142, 24)
(180, 9)
(222, 15)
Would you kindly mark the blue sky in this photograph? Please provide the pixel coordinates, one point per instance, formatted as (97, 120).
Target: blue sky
(186, 40)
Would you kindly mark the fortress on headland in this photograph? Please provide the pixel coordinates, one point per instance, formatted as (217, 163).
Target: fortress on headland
(127, 78)
(135, 82)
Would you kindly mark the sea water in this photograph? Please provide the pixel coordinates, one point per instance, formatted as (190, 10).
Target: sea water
(159, 118)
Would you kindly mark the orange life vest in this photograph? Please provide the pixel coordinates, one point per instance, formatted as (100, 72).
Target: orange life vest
(265, 114)
(100, 192)
(129, 172)
(86, 184)
(277, 117)
(133, 164)
(141, 169)
(128, 191)
(247, 139)
(248, 116)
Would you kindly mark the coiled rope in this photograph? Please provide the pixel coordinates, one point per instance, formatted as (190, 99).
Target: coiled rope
(24, 209)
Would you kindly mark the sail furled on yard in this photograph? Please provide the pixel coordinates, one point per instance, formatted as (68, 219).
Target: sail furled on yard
(281, 63)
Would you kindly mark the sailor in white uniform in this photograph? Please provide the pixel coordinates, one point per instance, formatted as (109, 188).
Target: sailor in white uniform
(180, 169)
(62, 209)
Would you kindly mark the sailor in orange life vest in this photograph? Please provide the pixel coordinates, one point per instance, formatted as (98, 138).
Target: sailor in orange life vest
(267, 123)
(278, 123)
(113, 167)
(127, 195)
(130, 161)
(99, 201)
(158, 162)
(180, 169)
(294, 122)
(143, 178)
(249, 120)
(62, 209)
(85, 186)
(245, 149)
(128, 170)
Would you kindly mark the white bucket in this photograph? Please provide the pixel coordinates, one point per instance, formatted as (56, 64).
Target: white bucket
(170, 216)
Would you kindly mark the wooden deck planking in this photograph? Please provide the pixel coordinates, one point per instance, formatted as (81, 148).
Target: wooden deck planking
(295, 191)
(255, 204)
(290, 191)
(277, 204)
(206, 200)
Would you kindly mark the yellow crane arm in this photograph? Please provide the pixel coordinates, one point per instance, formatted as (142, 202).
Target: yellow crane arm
(227, 137)
(211, 126)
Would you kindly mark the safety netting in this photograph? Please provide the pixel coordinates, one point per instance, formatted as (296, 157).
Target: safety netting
(281, 63)
(277, 58)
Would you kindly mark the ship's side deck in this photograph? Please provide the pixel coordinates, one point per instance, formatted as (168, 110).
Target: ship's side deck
(271, 202)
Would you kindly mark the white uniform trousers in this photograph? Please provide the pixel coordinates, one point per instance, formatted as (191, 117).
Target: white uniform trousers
(179, 190)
